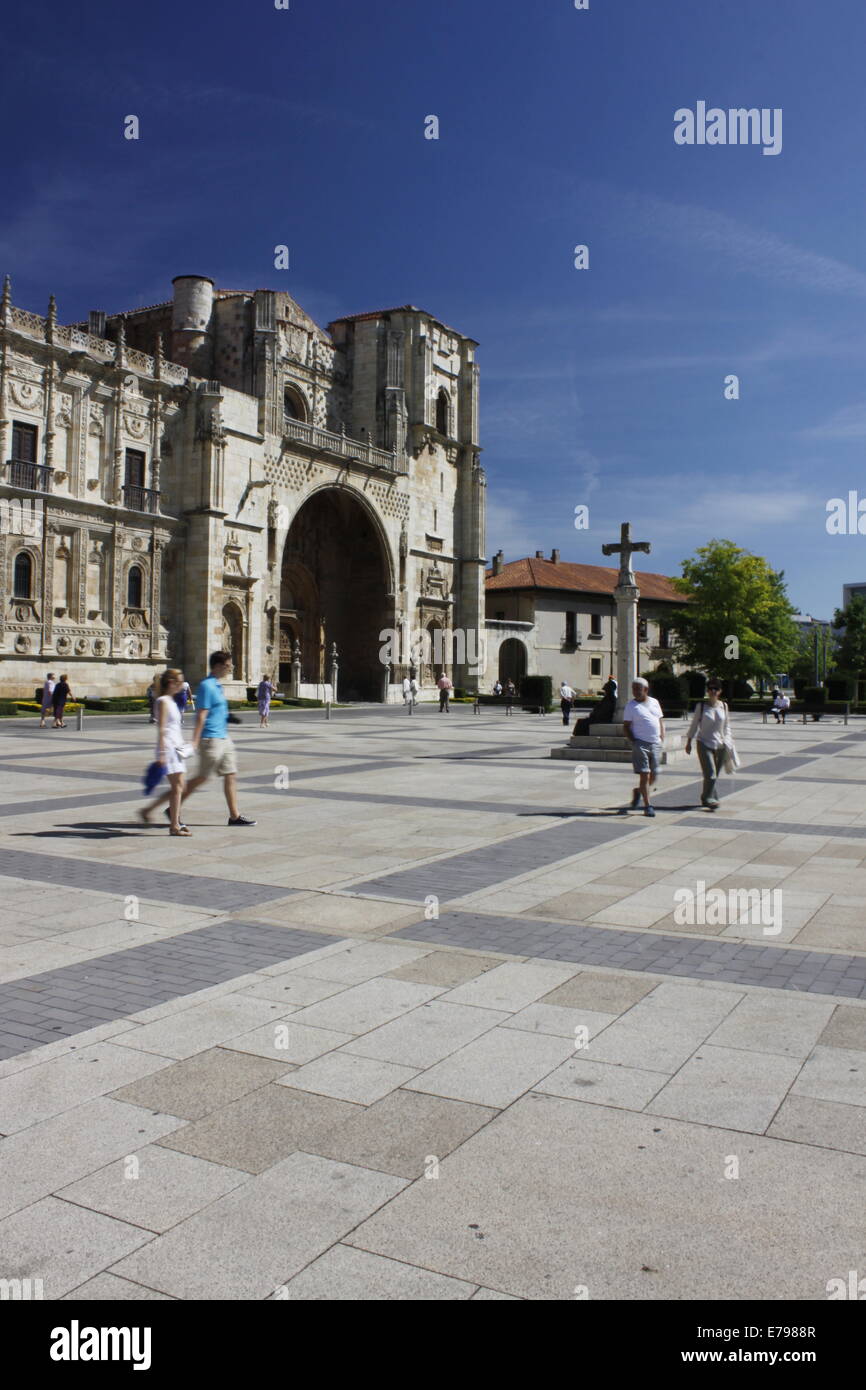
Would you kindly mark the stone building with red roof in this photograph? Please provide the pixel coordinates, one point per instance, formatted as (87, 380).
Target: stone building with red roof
(550, 617)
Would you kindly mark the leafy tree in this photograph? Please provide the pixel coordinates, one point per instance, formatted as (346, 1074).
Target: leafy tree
(738, 623)
(851, 650)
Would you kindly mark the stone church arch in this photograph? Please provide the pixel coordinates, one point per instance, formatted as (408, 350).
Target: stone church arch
(336, 583)
(512, 660)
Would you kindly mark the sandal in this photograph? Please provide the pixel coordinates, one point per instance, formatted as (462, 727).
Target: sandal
(184, 830)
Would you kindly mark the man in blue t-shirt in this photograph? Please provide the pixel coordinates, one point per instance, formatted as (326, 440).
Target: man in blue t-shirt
(210, 738)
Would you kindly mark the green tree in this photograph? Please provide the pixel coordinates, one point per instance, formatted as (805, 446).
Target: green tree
(851, 650)
(738, 622)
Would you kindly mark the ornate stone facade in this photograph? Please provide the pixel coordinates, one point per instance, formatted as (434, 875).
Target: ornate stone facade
(218, 470)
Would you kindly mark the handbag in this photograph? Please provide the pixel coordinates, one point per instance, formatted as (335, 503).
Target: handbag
(732, 759)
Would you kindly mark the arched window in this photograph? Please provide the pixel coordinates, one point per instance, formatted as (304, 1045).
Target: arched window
(443, 411)
(23, 576)
(134, 587)
(294, 405)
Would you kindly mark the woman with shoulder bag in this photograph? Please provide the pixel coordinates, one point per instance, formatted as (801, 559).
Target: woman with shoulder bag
(715, 745)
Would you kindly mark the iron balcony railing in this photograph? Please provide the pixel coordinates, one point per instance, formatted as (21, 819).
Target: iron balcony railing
(141, 499)
(35, 476)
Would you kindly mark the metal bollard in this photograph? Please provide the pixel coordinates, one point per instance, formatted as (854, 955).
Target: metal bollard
(80, 724)
(327, 709)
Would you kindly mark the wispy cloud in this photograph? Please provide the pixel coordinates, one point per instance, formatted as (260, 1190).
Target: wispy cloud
(747, 249)
(844, 424)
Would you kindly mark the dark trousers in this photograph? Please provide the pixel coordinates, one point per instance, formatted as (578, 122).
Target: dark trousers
(565, 706)
(443, 700)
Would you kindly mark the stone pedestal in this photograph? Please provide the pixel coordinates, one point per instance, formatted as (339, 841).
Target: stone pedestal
(608, 744)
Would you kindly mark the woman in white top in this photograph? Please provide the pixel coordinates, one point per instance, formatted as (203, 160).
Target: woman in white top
(170, 746)
(710, 723)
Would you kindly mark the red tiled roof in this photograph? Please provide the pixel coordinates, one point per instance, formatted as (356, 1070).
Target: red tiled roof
(584, 579)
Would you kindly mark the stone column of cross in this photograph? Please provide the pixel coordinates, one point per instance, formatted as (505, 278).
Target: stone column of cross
(626, 595)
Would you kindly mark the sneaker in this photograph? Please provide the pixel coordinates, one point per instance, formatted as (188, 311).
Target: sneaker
(648, 811)
(240, 820)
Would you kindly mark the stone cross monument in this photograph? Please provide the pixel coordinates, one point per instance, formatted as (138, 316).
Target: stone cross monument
(626, 595)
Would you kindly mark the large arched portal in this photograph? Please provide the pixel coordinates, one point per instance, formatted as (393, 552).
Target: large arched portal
(512, 660)
(334, 588)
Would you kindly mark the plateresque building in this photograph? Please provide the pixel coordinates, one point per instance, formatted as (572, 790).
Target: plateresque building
(218, 471)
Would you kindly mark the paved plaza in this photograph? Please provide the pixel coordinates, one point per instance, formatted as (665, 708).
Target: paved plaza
(440, 1026)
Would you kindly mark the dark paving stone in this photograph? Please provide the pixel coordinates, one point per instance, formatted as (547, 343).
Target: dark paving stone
(157, 974)
(826, 781)
(777, 967)
(482, 868)
(774, 767)
(34, 769)
(189, 890)
(832, 832)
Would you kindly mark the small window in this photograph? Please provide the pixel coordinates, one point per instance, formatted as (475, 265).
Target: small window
(595, 665)
(665, 638)
(294, 406)
(595, 624)
(443, 412)
(134, 588)
(571, 629)
(23, 575)
(24, 440)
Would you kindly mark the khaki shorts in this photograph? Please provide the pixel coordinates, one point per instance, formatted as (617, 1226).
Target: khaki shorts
(216, 757)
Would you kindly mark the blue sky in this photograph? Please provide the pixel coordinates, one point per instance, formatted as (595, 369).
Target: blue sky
(606, 386)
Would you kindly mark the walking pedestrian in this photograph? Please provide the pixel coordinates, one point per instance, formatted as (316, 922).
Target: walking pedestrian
(47, 699)
(510, 696)
(445, 688)
(407, 691)
(497, 687)
(644, 724)
(183, 698)
(171, 751)
(414, 689)
(150, 695)
(566, 700)
(59, 696)
(264, 694)
(710, 725)
(210, 740)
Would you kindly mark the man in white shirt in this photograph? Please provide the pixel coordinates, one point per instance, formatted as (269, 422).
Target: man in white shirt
(645, 728)
(566, 699)
(407, 691)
